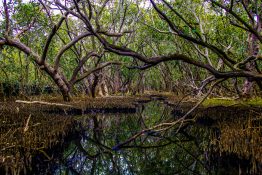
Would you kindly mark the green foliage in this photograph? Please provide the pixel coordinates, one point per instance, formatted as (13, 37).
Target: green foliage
(151, 36)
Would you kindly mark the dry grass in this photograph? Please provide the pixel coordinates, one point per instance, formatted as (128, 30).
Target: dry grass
(24, 133)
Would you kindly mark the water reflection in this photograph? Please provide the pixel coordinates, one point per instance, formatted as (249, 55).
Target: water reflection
(94, 144)
(95, 151)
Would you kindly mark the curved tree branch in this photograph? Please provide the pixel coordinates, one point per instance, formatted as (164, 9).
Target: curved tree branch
(90, 71)
(80, 65)
(7, 19)
(66, 47)
(242, 21)
(51, 35)
(215, 49)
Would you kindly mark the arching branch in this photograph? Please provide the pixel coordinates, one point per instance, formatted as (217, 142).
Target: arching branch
(7, 19)
(80, 65)
(51, 35)
(90, 71)
(236, 16)
(66, 47)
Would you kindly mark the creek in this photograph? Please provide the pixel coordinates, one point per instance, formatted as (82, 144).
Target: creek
(221, 141)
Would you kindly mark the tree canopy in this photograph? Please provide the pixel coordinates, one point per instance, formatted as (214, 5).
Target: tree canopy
(154, 44)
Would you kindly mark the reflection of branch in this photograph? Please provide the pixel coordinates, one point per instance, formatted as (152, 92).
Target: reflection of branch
(89, 156)
(146, 147)
(187, 151)
(100, 144)
(165, 126)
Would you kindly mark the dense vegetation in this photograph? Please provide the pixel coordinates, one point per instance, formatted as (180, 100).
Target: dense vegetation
(157, 61)
(120, 46)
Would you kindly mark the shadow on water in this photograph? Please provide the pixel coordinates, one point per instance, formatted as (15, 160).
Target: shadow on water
(89, 143)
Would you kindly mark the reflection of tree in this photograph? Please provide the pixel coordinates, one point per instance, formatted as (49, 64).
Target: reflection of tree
(96, 145)
(152, 153)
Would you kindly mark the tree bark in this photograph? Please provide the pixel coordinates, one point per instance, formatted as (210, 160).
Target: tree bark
(59, 80)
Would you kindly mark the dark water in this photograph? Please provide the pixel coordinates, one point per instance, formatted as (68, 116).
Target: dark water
(94, 144)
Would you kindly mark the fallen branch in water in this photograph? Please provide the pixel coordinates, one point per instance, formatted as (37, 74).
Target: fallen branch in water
(43, 103)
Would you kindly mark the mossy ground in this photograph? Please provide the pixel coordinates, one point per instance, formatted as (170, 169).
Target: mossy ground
(252, 102)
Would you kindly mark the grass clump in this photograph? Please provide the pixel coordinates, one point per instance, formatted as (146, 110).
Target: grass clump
(252, 102)
(257, 101)
(219, 102)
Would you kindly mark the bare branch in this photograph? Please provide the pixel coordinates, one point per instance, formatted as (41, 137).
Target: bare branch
(90, 9)
(46, 9)
(231, 4)
(239, 26)
(27, 50)
(66, 47)
(51, 35)
(215, 49)
(68, 9)
(98, 14)
(247, 11)
(80, 65)
(182, 18)
(158, 30)
(25, 29)
(2, 42)
(7, 19)
(119, 34)
(144, 67)
(242, 21)
(90, 71)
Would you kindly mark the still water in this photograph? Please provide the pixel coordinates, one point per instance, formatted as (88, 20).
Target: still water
(103, 143)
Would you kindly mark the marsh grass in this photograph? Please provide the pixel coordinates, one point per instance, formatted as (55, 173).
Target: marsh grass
(241, 136)
(25, 133)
